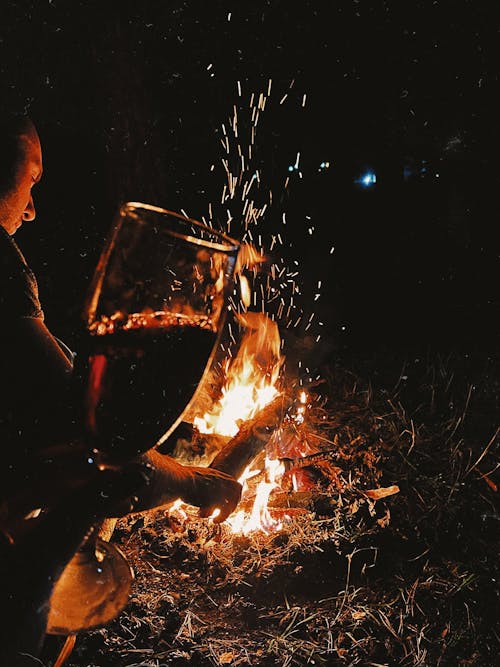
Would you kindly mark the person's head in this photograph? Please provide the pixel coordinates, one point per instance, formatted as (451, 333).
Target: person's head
(20, 169)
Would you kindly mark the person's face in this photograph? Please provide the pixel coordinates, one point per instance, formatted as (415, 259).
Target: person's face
(17, 205)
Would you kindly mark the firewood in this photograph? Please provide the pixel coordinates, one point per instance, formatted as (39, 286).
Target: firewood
(376, 494)
(251, 439)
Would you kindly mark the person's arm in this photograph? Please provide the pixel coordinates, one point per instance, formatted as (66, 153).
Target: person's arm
(32, 352)
(36, 381)
(36, 413)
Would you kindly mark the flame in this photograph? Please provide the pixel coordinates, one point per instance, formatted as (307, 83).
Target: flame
(249, 258)
(274, 472)
(299, 415)
(259, 518)
(177, 509)
(251, 377)
(250, 385)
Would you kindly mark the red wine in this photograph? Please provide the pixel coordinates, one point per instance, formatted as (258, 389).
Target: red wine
(136, 380)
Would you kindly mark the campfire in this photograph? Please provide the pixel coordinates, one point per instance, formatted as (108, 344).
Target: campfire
(254, 425)
(253, 417)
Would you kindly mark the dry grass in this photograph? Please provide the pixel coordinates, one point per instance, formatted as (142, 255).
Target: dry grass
(411, 579)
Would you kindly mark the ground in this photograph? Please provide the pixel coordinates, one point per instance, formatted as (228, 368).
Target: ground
(355, 577)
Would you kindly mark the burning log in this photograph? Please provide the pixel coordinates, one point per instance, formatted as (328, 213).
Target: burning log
(251, 439)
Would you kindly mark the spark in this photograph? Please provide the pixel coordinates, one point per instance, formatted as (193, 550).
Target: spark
(247, 206)
(368, 179)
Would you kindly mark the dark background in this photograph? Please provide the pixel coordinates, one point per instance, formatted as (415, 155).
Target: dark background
(129, 99)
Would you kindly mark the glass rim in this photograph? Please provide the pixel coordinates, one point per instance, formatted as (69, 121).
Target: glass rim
(229, 245)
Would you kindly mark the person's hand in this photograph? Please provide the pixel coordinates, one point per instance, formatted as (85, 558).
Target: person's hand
(213, 490)
(168, 480)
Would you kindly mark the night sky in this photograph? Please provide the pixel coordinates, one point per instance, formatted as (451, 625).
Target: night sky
(130, 104)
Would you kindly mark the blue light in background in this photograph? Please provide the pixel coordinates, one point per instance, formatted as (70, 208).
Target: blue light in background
(367, 179)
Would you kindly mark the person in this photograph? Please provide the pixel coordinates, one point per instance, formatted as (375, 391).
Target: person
(52, 493)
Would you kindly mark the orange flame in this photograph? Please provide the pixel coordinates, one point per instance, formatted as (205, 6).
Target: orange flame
(259, 518)
(250, 385)
(250, 378)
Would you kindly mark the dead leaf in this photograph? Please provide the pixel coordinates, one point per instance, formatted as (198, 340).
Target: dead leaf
(383, 492)
(226, 658)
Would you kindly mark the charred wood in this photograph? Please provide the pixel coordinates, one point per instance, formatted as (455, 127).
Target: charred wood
(251, 439)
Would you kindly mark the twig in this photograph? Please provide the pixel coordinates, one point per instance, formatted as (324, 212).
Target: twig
(485, 451)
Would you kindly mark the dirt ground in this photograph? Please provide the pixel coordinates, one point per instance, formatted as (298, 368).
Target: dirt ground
(355, 576)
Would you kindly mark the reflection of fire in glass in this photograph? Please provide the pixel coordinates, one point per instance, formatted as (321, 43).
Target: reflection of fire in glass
(153, 318)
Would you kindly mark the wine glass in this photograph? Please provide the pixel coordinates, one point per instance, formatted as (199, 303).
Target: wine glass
(92, 590)
(153, 319)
